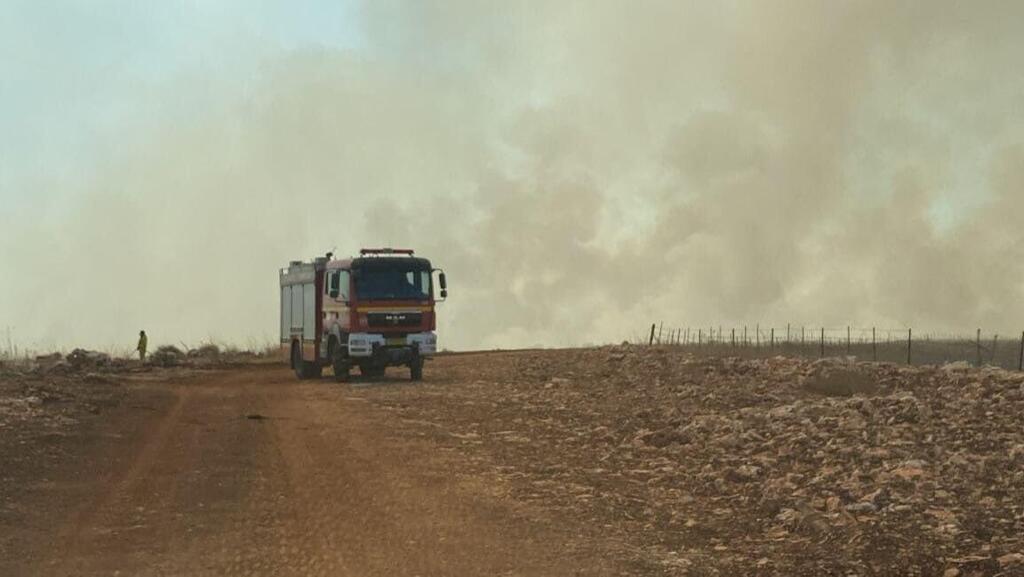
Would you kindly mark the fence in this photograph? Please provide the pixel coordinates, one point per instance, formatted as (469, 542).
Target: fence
(872, 344)
(8, 350)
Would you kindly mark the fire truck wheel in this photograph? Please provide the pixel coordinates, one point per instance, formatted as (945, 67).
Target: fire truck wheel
(303, 370)
(297, 363)
(371, 370)
(340, 363)
(416, 370)
(342, 372)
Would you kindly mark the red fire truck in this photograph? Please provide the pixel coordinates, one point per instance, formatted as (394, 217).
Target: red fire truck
(372, 311)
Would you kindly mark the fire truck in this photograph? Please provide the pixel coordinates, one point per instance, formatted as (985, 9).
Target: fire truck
(372, 312)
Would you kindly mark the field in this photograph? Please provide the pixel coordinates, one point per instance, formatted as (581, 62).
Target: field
(606, 461)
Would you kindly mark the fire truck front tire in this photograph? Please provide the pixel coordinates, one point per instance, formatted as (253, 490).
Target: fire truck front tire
(339, 362)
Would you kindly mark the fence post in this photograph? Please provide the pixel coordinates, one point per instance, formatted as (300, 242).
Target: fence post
(733, 338)
(700, 337)
(773, 340)
(848, 340)
(874, 346)
(978, 346)
(757, 334)
(995, 342)
(651, 340)
(744, 336)
(1020, 363)
(787, 333)
(910, 341)
(803, 340)
(822, 355)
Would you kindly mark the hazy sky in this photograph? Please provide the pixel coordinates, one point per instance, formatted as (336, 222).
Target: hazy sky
(581, 169)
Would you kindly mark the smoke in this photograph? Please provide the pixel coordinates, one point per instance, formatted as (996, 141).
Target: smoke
(579, 169)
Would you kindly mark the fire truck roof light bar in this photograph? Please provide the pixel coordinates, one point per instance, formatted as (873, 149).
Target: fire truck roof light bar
(366, 251)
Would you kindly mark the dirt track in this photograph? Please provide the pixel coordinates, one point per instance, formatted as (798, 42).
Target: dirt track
(250, 472)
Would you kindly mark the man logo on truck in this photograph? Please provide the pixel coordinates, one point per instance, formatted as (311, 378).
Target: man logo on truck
(371, 312)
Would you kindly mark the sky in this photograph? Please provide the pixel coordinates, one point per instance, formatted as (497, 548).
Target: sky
(79, 71)
(580, 169)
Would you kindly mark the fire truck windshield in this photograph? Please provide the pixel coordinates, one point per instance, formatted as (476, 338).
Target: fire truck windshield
(392, 283)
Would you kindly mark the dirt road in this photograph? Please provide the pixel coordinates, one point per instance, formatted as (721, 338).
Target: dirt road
(250, 472)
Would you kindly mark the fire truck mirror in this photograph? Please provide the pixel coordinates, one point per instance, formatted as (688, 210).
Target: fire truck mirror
(444, 293)
(444, 284)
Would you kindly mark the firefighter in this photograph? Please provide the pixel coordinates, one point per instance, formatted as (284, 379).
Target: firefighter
(141, 347)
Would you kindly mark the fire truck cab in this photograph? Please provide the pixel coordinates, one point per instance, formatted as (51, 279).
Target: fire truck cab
(370, 312)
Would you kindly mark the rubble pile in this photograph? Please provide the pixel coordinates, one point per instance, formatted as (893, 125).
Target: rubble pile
(207, 351)
(205, 356)
(81, 358)
(167, 356)
(771, 466)
(210, 355)
(80, 361)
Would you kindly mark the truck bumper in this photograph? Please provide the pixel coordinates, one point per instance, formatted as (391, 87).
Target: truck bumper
(365, 345)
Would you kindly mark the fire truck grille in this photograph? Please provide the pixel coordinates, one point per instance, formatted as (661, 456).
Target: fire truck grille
(394, 319)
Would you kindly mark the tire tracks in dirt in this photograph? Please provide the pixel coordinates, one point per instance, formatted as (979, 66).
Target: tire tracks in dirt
(73, 533)
(321, 484)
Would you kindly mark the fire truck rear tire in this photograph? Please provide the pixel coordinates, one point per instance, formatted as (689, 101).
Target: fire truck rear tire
(342, 371)
(370, 370)
(303, 370)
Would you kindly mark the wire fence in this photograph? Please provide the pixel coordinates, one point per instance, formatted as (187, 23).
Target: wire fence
(875, 344)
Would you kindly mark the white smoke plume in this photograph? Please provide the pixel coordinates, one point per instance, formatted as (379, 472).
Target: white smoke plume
(580, 169)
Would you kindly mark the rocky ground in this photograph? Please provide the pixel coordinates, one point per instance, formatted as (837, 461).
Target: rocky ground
(55, 391)
(665, 463)
(719, 466)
